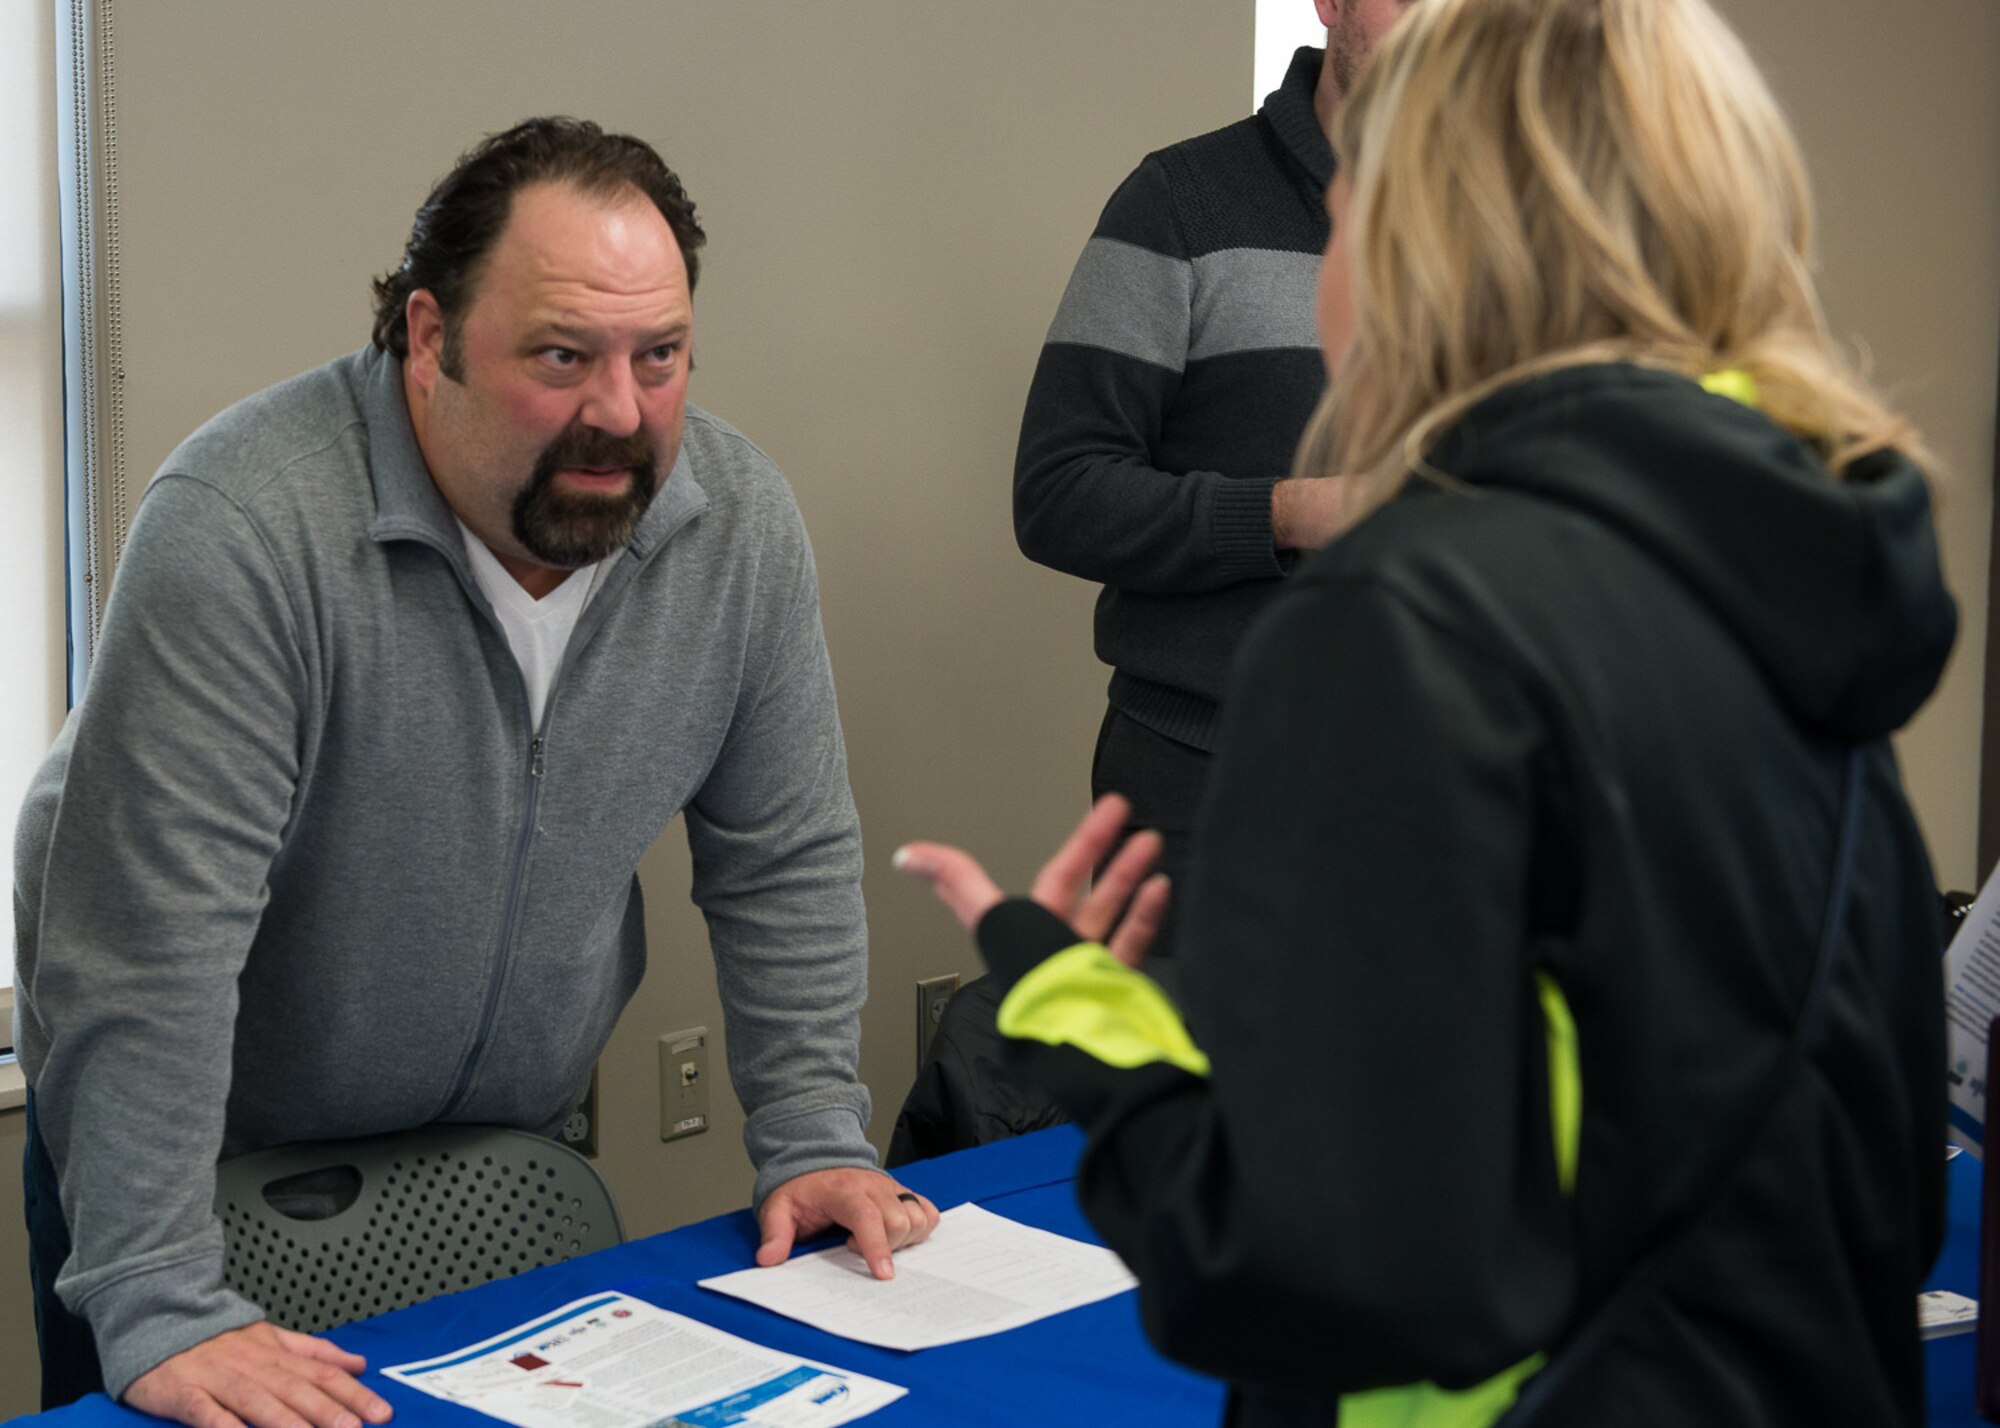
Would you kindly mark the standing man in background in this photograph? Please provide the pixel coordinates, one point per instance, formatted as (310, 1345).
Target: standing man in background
(1176, 380)
(410, 659)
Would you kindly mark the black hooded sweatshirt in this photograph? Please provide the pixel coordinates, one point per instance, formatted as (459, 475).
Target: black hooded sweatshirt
(1583, 713)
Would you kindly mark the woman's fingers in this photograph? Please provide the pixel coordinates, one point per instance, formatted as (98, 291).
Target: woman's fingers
(1064, 877)
(1098, 913)
(954, 875)
(1064, 885)
(1134, 937)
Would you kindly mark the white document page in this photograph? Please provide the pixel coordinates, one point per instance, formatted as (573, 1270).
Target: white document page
(977, 1274)
(1941, 1313)
(1972, 1000)
(611, 1361)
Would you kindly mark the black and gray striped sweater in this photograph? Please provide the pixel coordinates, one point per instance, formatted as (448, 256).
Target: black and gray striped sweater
(1178, 375)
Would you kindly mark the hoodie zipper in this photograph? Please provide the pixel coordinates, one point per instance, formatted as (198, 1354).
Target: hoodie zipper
(592, 616)
(504, 953)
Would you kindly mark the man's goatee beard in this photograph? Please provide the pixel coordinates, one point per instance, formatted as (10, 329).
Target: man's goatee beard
(571, 529)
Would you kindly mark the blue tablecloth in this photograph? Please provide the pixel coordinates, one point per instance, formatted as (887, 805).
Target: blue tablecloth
(1948, 1362)
(1085, 1367)
(1088, 1366)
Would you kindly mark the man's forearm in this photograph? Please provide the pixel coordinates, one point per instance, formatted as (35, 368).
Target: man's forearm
(178, 778)
(1090, 501)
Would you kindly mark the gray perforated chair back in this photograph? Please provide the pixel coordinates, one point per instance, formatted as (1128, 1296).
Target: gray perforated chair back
(320, 1234)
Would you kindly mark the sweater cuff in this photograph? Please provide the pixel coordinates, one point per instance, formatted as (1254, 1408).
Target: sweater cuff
(1086, 998)
(1239, 527)
(1017, 935)
(143, 1319)
(829, 1137)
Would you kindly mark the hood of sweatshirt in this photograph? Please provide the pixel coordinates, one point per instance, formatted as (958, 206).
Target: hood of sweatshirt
(1832, 586)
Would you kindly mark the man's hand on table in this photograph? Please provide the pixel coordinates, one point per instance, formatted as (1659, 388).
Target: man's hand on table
(263, 1377)
(879, 1216)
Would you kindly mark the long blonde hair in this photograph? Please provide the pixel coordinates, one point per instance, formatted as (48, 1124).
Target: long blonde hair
(1541, 183)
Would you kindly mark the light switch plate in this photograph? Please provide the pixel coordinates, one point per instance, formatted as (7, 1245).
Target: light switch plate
(684, 1083)
(932, 994)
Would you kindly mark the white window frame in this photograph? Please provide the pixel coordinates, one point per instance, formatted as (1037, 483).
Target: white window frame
(1282, 26)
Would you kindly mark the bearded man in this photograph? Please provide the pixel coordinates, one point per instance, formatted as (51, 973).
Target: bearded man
(411, 658)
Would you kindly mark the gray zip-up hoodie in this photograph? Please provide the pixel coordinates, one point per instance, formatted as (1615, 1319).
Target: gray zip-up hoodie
(298, 867)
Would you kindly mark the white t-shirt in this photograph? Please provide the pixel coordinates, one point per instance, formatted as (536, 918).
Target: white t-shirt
(537, 631)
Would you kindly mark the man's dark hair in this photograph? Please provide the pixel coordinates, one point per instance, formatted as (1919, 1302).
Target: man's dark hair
(460, 221)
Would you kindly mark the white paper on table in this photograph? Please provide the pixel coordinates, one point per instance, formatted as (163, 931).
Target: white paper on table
(611, 1361)
(1972, 1000)
(1941, 1313)
(977, 1274)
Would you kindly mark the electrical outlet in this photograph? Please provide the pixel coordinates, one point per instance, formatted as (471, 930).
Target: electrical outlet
(684, 1083)
(579, 1132)
(932, 994)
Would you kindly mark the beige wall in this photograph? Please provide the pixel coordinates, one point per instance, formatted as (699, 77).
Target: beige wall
(1901, 124)
(895, 190)
(890, 221)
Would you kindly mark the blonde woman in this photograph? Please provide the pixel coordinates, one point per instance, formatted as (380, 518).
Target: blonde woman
(1570, 1045)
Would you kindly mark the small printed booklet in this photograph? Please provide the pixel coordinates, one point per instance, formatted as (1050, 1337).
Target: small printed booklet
(1941, 1313)
(1972, 1000)
(611, 1361)
(977, 1274)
